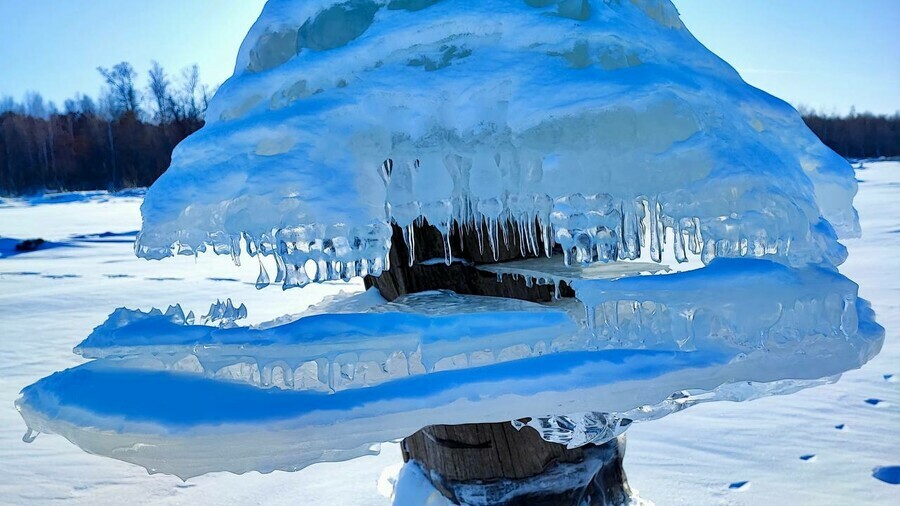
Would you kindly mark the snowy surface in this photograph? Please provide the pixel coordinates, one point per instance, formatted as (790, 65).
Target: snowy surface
(569, 120)
(693, 457)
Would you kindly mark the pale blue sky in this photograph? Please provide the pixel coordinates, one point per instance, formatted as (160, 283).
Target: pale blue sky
(827, 54)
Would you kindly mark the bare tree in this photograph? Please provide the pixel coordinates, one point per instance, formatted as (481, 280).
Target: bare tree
(92, 143)
(86, 105)
(34, 105)
(159, 91)
(8, 104)
(124, 94)
(191, 87)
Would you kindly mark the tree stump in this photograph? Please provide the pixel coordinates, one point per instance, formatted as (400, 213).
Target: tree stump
(493, 463)
(462, 276)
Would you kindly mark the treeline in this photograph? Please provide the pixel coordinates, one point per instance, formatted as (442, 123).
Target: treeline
(856, 135)
(124, 139)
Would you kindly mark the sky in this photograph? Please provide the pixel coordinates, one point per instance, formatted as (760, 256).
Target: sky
(829, 55)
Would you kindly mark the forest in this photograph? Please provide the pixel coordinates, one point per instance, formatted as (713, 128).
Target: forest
(857, 135)
(125, 138)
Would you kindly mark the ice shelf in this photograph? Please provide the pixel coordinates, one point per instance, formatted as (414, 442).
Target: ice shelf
(746, 305)
(188, 425)
(329, 386)
(606, 129)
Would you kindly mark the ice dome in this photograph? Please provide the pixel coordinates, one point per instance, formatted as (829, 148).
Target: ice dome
(572, 120)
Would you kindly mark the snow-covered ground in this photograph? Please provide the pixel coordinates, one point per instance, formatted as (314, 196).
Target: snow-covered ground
(819, 446)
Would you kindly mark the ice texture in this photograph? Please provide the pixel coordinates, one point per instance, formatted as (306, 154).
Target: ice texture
(416, 334)
(714, 307)
(602, 126)
(189, 425)
(329, 386)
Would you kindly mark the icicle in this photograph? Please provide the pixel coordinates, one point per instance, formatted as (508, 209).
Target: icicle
(698, 236)
(694, 236)
(520, 229)
(289, 377)
(331, 373)
(409, 238)
(655, 247)
(448, 253)
(709, 252)
(236, 256)
(493, 237)
(323, 270)
(630, 240)
(265, 376)
(644, 206)
(590, 318)
(262, 280)
(532, 236)
(546, 233)
(279, 268)
(479, 231)
(385, 171)
(30, 435)
(680, 253)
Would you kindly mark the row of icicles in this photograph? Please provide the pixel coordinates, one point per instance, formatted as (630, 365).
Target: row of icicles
(597, 228)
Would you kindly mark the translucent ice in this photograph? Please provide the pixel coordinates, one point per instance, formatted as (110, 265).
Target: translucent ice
(417, 334)
(605, 128)
(348, 380)
(189, 425)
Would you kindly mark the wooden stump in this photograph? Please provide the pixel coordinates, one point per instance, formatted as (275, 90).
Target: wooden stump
(462, 276)
(493, 463)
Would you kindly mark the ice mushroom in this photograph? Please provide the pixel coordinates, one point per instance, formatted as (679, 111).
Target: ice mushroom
(506, 176)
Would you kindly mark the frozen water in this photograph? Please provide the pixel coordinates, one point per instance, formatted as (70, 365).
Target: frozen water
(416, 334)
(717, 307)
(183, 421)
(349, 380)
(601, 126)
(762, 305)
